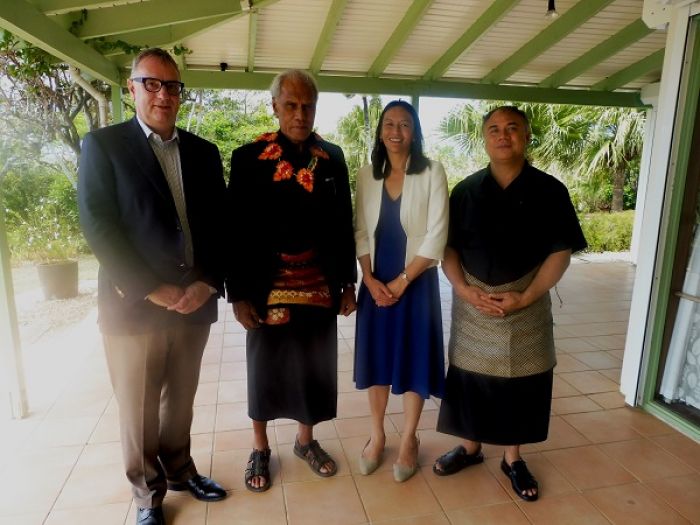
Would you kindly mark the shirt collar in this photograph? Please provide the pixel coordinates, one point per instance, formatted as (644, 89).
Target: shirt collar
(148, 132)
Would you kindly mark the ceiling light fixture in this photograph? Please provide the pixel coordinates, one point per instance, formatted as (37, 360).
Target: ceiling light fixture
(551, 10)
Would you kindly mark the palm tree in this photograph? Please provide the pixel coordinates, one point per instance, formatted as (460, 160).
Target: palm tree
(585, 145)
(355, 133)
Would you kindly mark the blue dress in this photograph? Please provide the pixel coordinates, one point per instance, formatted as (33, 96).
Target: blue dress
(400, 345)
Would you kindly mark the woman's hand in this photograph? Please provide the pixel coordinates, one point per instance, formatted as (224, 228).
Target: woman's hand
(397, 287)
(381, 295)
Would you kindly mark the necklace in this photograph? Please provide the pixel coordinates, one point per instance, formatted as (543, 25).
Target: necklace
(284, 169)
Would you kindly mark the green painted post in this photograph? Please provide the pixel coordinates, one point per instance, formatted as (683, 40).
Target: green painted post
(117, 109)
(10, 348)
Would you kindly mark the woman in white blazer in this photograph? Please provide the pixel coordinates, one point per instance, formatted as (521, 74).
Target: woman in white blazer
(400, 234)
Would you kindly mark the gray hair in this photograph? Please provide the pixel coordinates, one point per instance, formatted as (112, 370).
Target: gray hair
(154, 52)
(298, 75)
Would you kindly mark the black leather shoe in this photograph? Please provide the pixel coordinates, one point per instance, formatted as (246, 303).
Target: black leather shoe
(153, 516)
(202, 488)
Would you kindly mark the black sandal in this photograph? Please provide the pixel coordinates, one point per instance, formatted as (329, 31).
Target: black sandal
(258, 466)
(520, 478)
(316, 457)
(455, 460)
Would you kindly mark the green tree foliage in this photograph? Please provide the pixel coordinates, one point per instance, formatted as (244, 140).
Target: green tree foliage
(595, 150)
(355, 134)
(228, 118)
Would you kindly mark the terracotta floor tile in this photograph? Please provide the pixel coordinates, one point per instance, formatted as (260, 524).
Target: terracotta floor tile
(607, 342)
(384, 499)
(568, 363)
(608, 400)
(561, 388)
(353, 404)
(642, 421)
(345, 362)
(633, 504)
(601, 427)
(499, 514)
(248, 508)
(233, 391)
(330, 501)
(111, 514)
(233, 354)
(562, 435)
(613, 374)
(574, 345)
(209, 373)
(573, 405)
(233, 371)
(204, 418)
(24, 519)
(587, 467)
(681, 493)
(231, 416)
(645, 459)
(345, 382)
(430, 519)
(567, 509)
(474, 486)
(31, 488)
(97, 454)
(682, 447)
(359, 426)
(591, 382)
(61, 432)
(95, 485)
(107, 429)
(600, 360)
(233, 439)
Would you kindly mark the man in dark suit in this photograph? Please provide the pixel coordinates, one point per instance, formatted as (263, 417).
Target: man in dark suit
(150, 197)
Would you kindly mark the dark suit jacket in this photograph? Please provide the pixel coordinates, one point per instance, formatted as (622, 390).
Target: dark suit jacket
(260, 208)
(129, 219)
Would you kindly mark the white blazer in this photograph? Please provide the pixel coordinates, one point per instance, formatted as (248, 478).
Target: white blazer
(424, 212)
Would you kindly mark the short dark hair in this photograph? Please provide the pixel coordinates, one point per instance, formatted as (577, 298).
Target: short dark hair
(506, 109)
(381, 167)
(154, 52)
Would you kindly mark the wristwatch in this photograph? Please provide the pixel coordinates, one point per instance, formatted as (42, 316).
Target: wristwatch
(404, 276)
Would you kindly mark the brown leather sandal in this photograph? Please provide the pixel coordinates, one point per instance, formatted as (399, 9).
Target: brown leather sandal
(258, 466)
(316, 457)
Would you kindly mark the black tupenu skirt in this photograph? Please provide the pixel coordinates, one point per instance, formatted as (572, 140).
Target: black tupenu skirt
(292, 368)
(496, 410)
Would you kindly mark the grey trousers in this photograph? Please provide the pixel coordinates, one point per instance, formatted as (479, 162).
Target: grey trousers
(154, 377)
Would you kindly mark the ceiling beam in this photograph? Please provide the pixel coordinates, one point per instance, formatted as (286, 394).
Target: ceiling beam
(24, 21)
(57, 7)
(403, 30)
(153, 13)
(166, 36)
(324, 40)
(620, 40)
(489, 17)
(631, 73)
(252, 39)
(195, 79)
(560, 28)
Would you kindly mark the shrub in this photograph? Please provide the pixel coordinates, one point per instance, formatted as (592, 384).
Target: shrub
(608, 232)
(42, 217)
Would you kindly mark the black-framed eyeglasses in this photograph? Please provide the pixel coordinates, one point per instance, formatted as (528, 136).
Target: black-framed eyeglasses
(154, 85)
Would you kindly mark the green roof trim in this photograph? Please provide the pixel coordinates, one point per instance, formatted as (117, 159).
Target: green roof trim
(252, 39)
(324, 41)
(631, 73)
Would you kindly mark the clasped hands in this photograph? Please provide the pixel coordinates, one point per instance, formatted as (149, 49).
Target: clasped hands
(178, 299)
(493, 304)
(385, 294)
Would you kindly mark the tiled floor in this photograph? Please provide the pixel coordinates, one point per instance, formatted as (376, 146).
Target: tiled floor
(603, 462)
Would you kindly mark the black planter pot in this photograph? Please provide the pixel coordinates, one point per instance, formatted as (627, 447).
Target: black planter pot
(59, 280)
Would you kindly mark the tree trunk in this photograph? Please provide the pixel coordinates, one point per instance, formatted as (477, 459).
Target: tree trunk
(368, 131)
(618, 189)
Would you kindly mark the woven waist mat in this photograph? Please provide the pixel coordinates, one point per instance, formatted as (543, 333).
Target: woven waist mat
(519, 344)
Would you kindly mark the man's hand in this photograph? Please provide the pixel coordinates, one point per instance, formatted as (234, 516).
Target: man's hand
(166, 295)
(246, 315)
(196, 294)
(481, 300)
(348, 304)
(509, 302)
